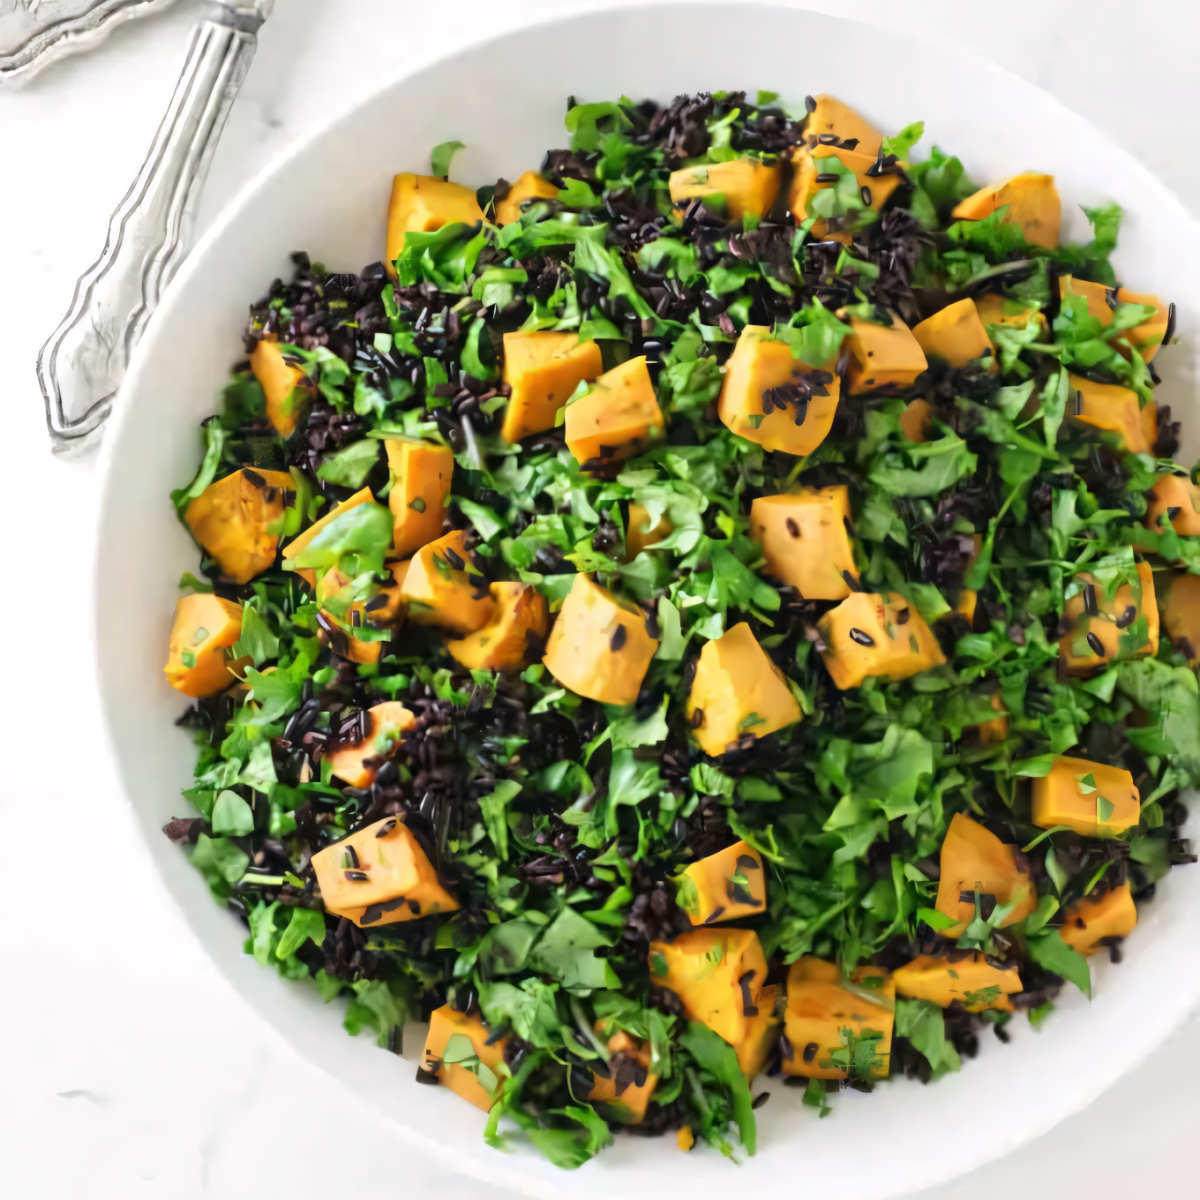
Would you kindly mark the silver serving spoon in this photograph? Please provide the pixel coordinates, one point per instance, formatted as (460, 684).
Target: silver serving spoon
(82, 363)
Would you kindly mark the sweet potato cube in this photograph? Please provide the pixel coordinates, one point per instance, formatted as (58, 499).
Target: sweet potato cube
(1145, 338)
(616, 418)
(916, 421)
(624, 1085)
(640, 534)
(1105, 626)
(1089, 922)
(599, 647)
(975, 861)
(302, 540)
(442, 587)
(1032, 203)
(517, 627)
(543, 368)
(969, 981)
(881, 634)
(954, 333)
(882, 355)
(1181, 615)
(528, 186)
(237, 520)
(802, 401)
(809, 168)
(1178, 498)
(831, 1028)
(464, 1055)
(380, 875)
(737, 690)
(204, 628)
(717, 975)
(738, 188)
(762, 1027)
(423, 203)
(831, 118)
(1114, 409)
(995, 309)
(344, 613)
(284, 385)
(1094, 799)
(805, 541)
(421, 476)
(724, 886)
(995, 730)
(357, 765)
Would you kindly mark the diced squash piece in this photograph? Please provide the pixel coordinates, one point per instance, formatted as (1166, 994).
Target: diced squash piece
(738, 188)
(386, 607)
(809, 169)
(421, 476)
(996, 730)
(805, 540)
(1115, 409)
(237, 520)
(517, 627)
(1181, 615)
(441, 587)
(1105, 626)
(724, 886)
(762, 373)
(969, 981)
(737, 690)
(1145, 338)
(599, 647)
(543, 368)
(285, 386)
(616, 418)
(624, 1085)
(380, 875)
(423, 203)
(717, 975)
(831, 118)
(1094, 799)
(995, 309)
(343, 613)
(965, 605)
(685, 1139)
(528, 186)
(762, 1027)
(358, 764)
(640, 534)
(882, 356)
(464, 1054)
(916, 421)
(830, 1027)
(954, 333)
(198, 661)
(1178, 498)
(975, 861)
(1032, 202)
(1088, 922)
(301, 540)
(873, 633)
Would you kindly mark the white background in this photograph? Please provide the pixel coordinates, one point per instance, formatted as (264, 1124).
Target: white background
(128, 1067)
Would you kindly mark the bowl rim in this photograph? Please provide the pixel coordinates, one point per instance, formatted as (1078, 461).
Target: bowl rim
(1172, 1010)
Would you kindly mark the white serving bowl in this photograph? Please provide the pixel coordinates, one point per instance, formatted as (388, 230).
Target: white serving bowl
(505, 98)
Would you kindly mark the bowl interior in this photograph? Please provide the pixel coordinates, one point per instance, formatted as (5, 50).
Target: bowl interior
(506, 99)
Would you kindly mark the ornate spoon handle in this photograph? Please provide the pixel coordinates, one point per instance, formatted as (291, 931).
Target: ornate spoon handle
(81, 365)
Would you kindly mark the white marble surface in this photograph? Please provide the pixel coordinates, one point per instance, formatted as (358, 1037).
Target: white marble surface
(128, 1067)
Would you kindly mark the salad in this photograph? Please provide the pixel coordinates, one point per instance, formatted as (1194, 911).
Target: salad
(721, 607)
